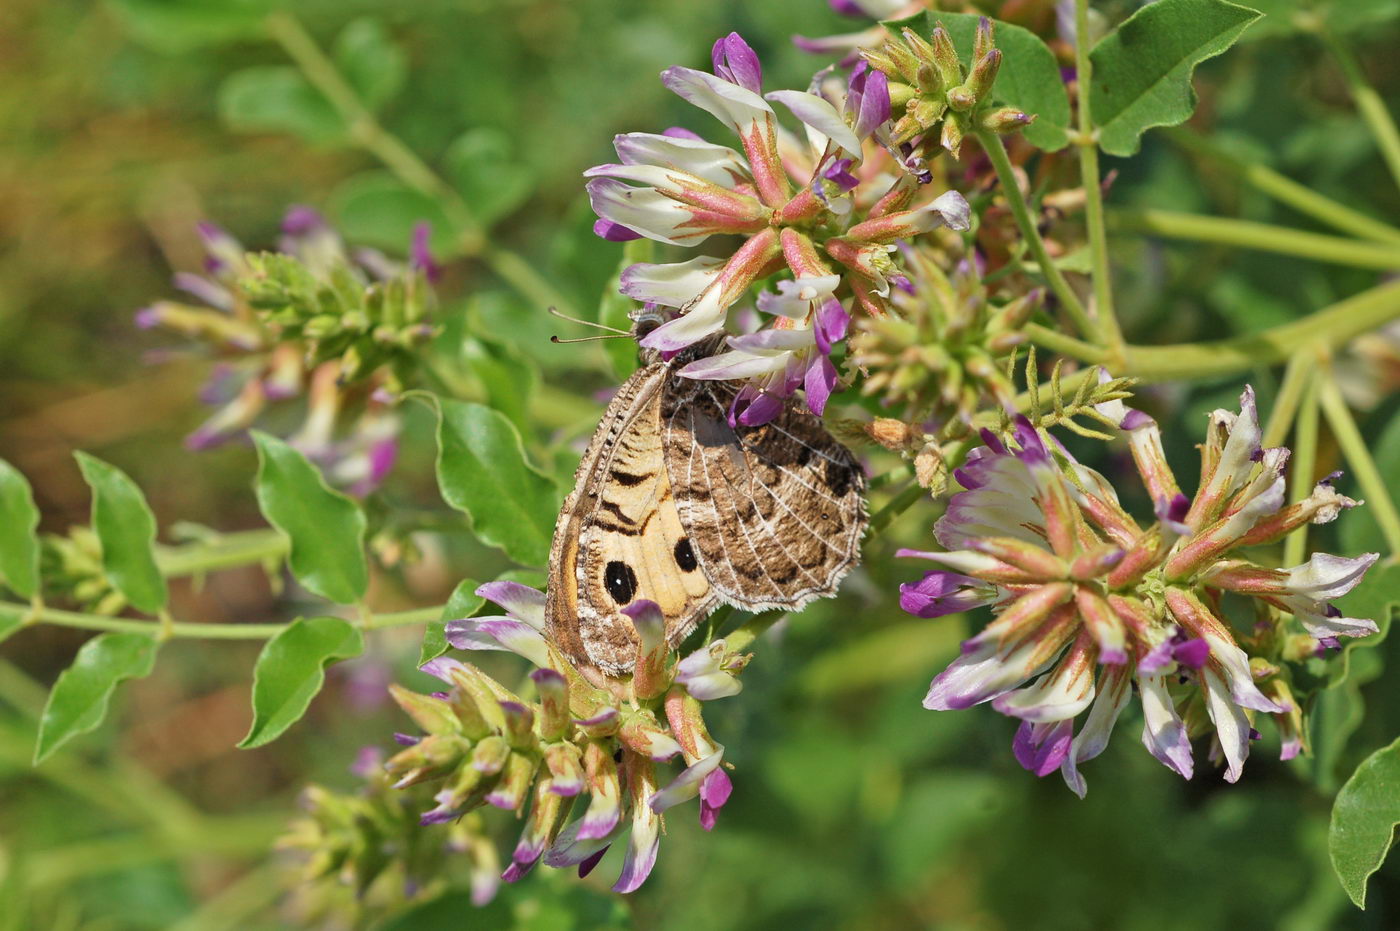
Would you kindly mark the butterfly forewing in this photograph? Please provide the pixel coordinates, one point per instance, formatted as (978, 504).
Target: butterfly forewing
(619, 538)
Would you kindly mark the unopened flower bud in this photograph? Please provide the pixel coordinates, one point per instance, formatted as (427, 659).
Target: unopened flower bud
(520, 722)
(984, 41)
(945, 57)
(510, 792)
(984, 74)
(1005, 120)
(554, 703)
(565, 764)
(962, 98)
(433, 715)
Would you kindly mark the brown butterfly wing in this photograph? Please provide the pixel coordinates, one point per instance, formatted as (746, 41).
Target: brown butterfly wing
(619, 538)
(775, 513)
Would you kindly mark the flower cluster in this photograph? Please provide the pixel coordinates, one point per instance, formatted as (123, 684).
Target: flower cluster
(1088, 603)
(934, 91)
(827, 209)
(943, 357)
(484, 745)
(355, 841)
(308, 319)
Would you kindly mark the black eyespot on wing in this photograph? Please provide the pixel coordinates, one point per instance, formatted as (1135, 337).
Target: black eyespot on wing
(685, 556)
(620, 581)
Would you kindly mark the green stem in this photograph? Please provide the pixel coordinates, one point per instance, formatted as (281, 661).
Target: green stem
(896, 506)
(1358, 456)
(1020, 210)
(1324, 330)
(1296, 378)
(367, 132)
(223, 552)
(200, 630)
(1368, 103)
(1304, 467)
(1265, 237)
(1287, 191)
(1063, 344)
(1100, 272)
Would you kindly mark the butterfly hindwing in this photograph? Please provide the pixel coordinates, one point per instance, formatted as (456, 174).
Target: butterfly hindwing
(775, 513)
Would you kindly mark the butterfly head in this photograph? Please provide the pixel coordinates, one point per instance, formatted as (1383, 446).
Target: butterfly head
(650, 317)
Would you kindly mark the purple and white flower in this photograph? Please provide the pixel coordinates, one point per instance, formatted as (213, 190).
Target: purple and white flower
(1086, 602)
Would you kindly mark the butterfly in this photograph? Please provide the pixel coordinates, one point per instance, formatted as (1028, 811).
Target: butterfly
(672, 504)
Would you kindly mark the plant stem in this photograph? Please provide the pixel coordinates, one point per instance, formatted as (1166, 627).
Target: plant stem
(896, 506)
(1296, 378)
(1063, 344)
(1287, 191)
(287, 31)
(1358, 456)
(1304, 467)
(224, 552)
(1020, 210)
(1325, 329)
(1088, 142)
(201, 630)
(1247, 234)
(1368, 103)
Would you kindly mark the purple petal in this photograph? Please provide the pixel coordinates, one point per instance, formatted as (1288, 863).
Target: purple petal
(614, 232)
(737, 63)
(821, 378)
(420, 256)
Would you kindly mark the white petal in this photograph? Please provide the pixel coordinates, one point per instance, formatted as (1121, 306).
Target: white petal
(1324, 576)
(715, 163)
(730, 366)
(670, 285)
(1231, 723)
(736, 106)
(818, 113)
(643, 210)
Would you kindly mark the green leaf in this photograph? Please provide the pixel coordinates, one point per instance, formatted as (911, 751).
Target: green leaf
(484, 166)
(291, 669)
(277, 99)
(79, 699)
(1142, 70)
(370, 61)
(127, 530)
(326, 529)
(615, 308)
(1029, 77)
(377, 209)
(1364, 818)
(182, 25)
(19, 545)
(507, 375)
(465, 602)
(11, 620)
(483, 472)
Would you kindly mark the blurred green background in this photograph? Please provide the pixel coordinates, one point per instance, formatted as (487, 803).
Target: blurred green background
(123, 123)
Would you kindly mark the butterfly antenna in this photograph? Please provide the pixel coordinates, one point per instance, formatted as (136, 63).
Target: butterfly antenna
(590, 339)
(601, 326)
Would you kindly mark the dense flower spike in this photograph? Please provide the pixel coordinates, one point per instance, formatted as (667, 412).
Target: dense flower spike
(308, 319)
(1087, 602)
(485, 745)
(828, 209)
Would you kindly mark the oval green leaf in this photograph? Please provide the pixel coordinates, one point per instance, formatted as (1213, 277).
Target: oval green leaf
(1364, 818)
(79, 699)
(277, 99)
(1142, 70)
(292, 668)
(373, 65)
(1029, 77)
(19, 545)
(325, 528)
(493, 179)
(483, 472)
(465, 602)
(126, 528)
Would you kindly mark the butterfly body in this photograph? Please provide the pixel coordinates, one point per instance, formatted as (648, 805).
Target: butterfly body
(672, 504)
